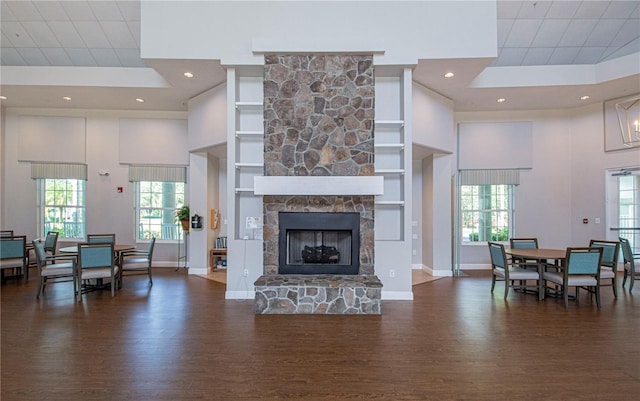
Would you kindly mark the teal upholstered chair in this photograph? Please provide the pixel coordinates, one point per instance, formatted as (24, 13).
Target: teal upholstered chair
(503, 270)
(96, 262)
(101, 239)
(54, 269)
(629, 263)
(138, 261)
(13, 256)
(581, 270)
(51, 242)
(608, 273)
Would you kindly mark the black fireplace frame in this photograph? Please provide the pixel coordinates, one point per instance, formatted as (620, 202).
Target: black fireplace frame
(315, 221)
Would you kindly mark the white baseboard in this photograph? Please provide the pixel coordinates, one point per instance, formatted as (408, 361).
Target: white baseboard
(239, 295)
(479, 266)
(397, 295)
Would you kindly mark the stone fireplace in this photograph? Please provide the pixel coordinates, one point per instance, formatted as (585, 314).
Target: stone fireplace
(318, 248)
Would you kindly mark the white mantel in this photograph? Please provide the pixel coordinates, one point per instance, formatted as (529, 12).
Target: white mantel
(318, 185)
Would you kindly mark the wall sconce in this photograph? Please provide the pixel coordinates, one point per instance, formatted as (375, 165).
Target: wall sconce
(628, 111)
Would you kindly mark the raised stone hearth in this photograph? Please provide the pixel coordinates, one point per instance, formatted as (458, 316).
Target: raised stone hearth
(318, 294)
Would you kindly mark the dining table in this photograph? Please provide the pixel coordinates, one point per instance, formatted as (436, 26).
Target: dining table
(541, 257)
(117, 250)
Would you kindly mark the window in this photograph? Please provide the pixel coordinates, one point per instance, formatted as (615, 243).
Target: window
(487, 212)
(156, 204)
(629, 207)
(62, 205)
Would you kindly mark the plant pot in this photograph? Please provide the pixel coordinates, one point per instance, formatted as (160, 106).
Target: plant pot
(185, 225)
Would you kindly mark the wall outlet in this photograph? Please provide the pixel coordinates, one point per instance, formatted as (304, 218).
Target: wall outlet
(415, 252)
(392, 273)
(245, 273)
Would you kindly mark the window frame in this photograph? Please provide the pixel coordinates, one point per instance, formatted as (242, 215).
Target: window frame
(169, 210)
(41, 184)
(509, 212)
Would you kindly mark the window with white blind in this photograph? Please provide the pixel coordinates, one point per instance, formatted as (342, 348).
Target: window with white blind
(486, 212)
(156, 205)
(62, 207)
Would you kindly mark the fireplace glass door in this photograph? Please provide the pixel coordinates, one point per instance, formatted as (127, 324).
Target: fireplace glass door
(318, 247)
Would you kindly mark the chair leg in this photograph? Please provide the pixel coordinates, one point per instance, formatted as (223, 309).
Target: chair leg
(493, 282)
(40, 287)
(633, 279)
(150, 278)
(597, 290)
(614, 284)
(624, 278)
(565, 296)
(506, 288)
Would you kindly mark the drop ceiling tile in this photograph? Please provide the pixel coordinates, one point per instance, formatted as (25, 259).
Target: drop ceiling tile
(589, 55)
(577, 32)
(57, 56)
(522, 32)
(508, 9)
(563, 9)
(66, 34)
(33, 56)
(51, 10)
(118, 34)
(41, 34)
(5, 12)
(134, 28)
(130, 58)
(78, 10)
(106, 57)
(17, 34)
(534, 9)
(591, 9)
(563, 55)
(635, 13)
(504, 27)
(628, 32)
(92, 34)
(510, 56)
(620, 9)
(24, 10)
(130, 10)
(5, 43)
(10, 56)
(550, 32)
(106, 10)
(604, 32)
(538, 56)
(608, 53)
(81, 57)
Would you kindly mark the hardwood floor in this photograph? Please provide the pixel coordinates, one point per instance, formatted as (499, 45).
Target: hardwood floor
(181, 340)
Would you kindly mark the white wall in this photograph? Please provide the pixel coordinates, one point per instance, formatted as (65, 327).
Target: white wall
(107, 210)
(208, 118)
(566, 183)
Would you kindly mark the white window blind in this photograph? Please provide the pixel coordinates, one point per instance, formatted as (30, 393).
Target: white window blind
(59, 170)
(490, 177)
(157, 173)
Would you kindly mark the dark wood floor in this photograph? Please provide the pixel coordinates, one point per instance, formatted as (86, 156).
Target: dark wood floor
(181, 340)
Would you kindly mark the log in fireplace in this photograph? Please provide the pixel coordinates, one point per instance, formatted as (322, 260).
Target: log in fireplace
(319, 243)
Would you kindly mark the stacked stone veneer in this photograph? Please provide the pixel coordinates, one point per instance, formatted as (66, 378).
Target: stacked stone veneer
(318, 121)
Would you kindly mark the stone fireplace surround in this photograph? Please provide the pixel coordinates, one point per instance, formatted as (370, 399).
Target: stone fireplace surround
(318, 121)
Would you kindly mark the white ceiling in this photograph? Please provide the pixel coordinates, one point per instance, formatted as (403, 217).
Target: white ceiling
(107, 34)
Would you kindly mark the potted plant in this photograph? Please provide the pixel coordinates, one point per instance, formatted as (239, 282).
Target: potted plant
(182, 215)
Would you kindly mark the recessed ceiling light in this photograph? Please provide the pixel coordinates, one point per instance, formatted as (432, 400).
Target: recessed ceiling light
(501, 100)
(3, 97)
(585, 97)
(188, 74)
(140, 100)
(67, 98)
(449, 75)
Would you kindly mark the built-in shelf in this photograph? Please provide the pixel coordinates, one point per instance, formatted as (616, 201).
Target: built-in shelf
(389, 124)
(249, 105)
(244, 190)
(399, 146)
(249, 133)
(239, 165)
(391, 203)
(390, 171)
(318, 185)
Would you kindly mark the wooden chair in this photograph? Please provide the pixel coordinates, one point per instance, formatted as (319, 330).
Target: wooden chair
(51, 243)
(96, 262)
(51, 271)
(608, 273)
(13, 256)
(629, 263)
(101, 239)
(502, 270)
(524, 243)
(137, 261)
(581, 270)
(6, 233)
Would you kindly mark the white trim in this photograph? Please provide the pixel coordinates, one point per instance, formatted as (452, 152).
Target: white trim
(318, 185)
(197, 270)
(239, 295)
(397, 296)
(477, 266)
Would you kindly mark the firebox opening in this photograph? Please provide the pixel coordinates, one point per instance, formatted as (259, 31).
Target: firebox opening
(319, 243)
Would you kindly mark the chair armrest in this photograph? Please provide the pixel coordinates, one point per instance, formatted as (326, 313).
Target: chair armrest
(60, 257)
(134, 252)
